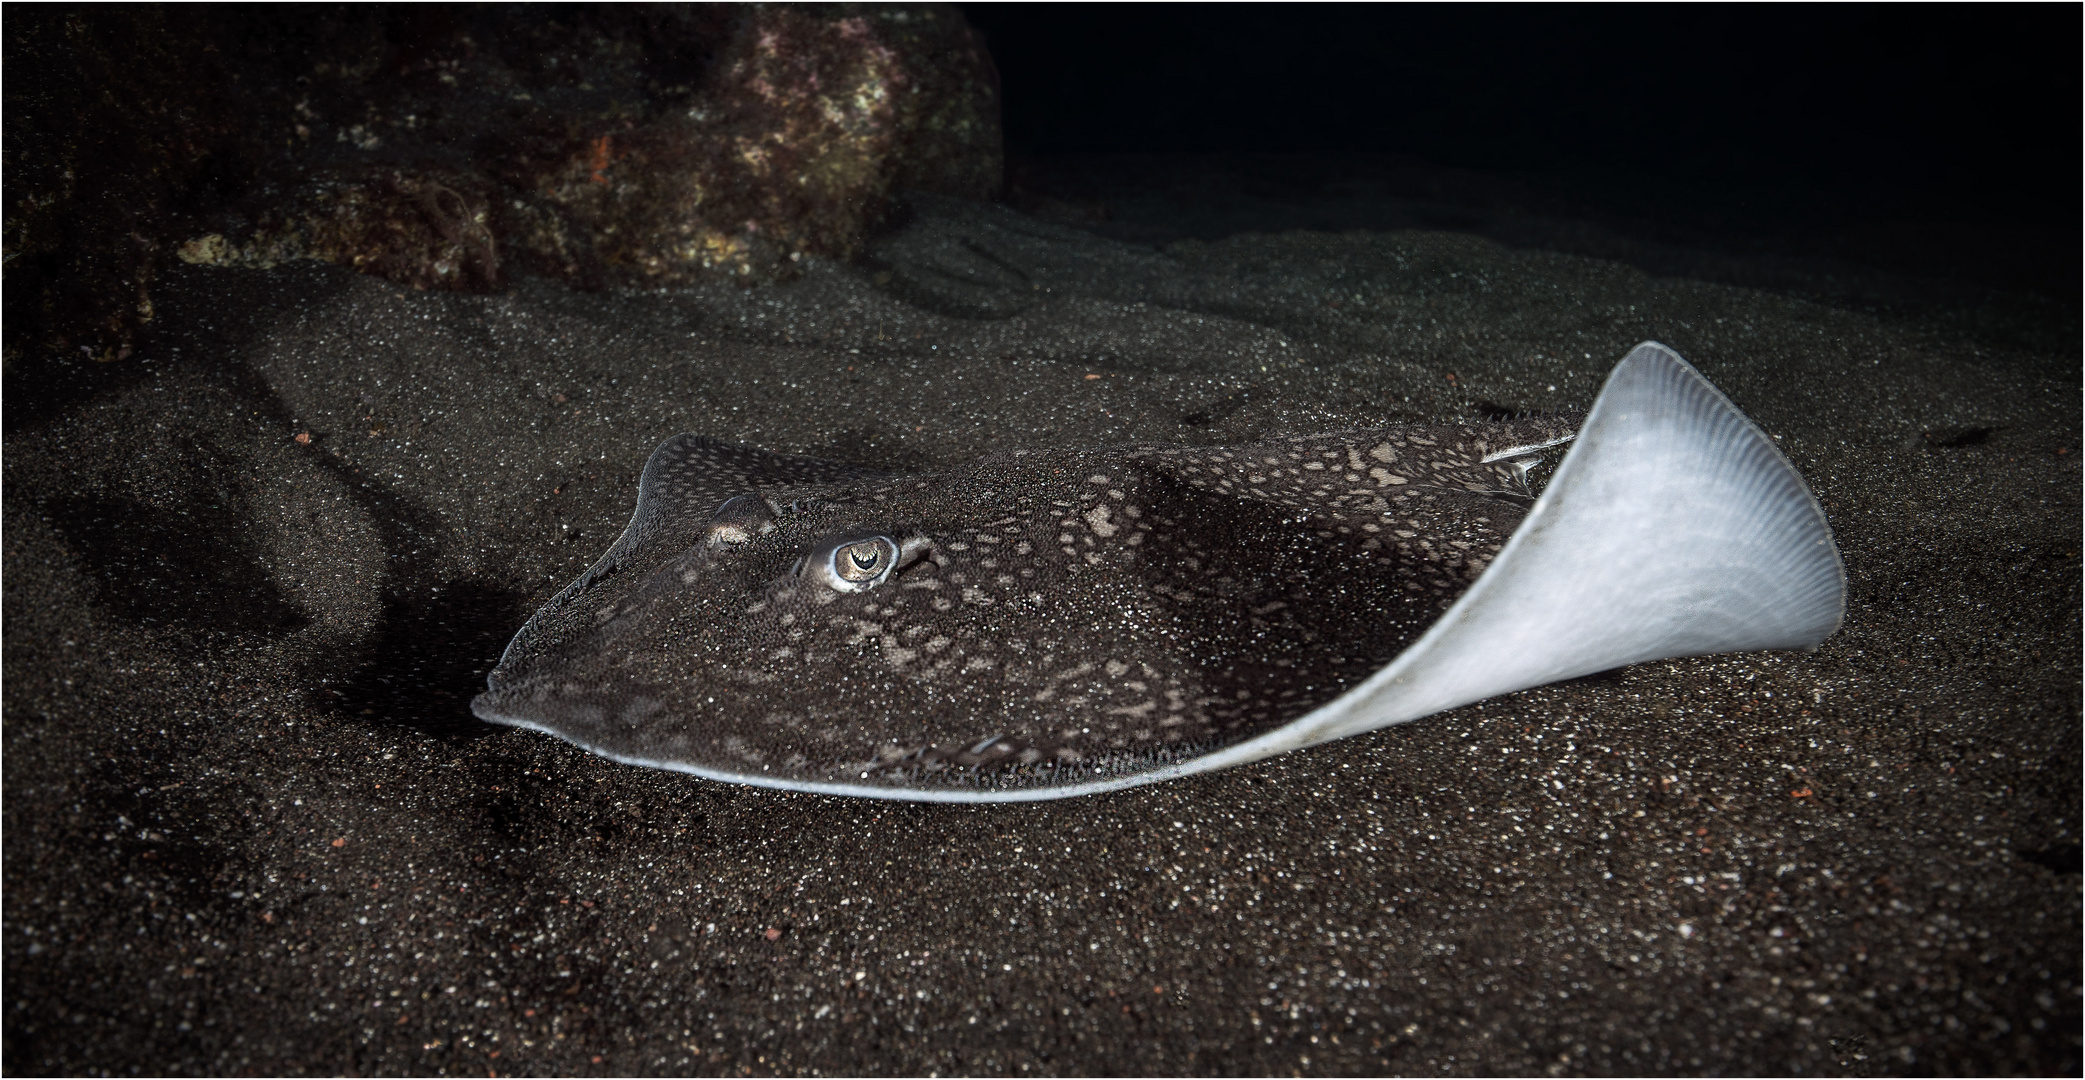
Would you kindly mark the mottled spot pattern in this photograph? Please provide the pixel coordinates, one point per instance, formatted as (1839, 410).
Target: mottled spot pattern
(1063, 614)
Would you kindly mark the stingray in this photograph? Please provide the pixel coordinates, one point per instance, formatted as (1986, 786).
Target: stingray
(1046, 623)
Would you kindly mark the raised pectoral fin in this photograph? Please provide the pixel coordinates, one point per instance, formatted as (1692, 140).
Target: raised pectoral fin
(1673, 528)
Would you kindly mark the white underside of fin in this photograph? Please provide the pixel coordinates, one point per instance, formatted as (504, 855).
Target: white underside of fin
(1672, 528)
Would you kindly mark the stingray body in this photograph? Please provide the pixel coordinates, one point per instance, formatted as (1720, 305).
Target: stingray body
(1055, 622)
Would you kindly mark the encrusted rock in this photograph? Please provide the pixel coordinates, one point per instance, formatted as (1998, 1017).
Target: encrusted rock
(800, 125)
(447, 148)
(116, 115)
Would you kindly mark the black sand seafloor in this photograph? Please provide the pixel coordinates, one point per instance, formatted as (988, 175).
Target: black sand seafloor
(254, 575)
(251, 826)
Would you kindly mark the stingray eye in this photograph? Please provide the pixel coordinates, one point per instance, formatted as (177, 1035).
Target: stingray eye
(861, 562)
(857, 564)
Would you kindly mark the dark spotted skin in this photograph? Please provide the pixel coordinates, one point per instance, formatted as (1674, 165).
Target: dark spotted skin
(1066, 614)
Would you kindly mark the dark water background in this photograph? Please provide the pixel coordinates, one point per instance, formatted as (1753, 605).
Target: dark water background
(1933, 140)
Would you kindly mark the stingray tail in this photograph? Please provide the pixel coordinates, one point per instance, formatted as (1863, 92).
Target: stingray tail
(1673, 527)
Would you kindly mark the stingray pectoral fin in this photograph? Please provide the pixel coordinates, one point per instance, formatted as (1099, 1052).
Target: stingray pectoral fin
(689, 478)
(689, 493)
(1674, 527)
